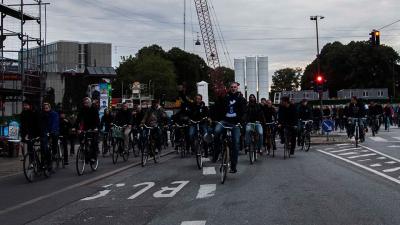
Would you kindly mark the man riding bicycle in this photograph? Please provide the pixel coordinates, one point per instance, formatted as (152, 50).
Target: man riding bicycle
(287, 118)
(154, 117)
(232, 109)
(356, 110)
(375, 111)
(124, 119)
(253, 118)
(49, 130)
(198, 111)
(88, 119)
(305, 114)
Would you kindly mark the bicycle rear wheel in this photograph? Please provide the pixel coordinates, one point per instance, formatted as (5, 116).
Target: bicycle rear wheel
(80, 160)
(94, 165)
(199, 155)
(286, 148)
(125, 153)
(356, 137)
(307, 142)
(115, 151)
(145, 155)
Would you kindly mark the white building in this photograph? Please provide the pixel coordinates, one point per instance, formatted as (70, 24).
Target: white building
(252, 74)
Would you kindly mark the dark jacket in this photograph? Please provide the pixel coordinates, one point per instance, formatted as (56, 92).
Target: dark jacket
(123, 117)
(198, 112)
(154, 117)
(88, 119)
(305, 112)
(234, 107)
(269, 114)
(253, 112)
(65, 126)
(106, 122)
(287, 116)
(49, 123)
(356, 110)
(137, 118)
(30, 124)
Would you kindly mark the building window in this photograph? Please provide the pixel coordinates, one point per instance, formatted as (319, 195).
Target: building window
(380, 93)
(365, 93)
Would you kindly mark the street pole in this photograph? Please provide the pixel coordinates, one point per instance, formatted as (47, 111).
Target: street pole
(184, 24)
(321, 91)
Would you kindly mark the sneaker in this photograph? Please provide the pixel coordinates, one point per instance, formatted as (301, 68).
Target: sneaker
(233, 170)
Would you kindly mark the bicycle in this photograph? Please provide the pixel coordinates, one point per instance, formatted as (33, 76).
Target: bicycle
(270, 138)
(134, 141)
(118, 147)
(148, 144)
(34, 163)
(181, 144)
(387, 123)
(305, 135)
(227, 144)
(82, 155)
(254, 142)
(287, 132)
(106, 143)
(198, 143)
(355, 122)
(374, 125)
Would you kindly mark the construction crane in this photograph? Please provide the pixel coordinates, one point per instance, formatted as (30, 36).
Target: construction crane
(210, 45)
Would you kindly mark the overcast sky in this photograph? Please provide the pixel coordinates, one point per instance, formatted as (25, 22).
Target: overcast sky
(279, 29)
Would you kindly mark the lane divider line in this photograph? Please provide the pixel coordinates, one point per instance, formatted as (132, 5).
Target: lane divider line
(202, 222)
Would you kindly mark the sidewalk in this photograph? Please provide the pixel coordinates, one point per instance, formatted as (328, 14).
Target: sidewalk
(10, 166)
(333, 138)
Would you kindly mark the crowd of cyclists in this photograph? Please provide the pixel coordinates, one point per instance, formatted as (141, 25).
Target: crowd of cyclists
(245, 118)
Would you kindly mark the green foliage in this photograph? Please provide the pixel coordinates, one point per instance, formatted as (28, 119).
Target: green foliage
(287, 79)
(355, 65)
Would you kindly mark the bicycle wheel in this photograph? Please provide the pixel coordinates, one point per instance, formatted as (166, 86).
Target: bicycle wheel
(286, 150)
(199, 154)
(30, 167)
(115, 151)
(307, 142)
(94, 165)
(80, 160)
(124, 153)
(182, 148)
(251, 153)
(153, 152)
(104, 148)
(224, 164)
(145, 155)
(356, 136)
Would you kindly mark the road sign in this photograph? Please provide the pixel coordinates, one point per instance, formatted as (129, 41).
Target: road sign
(327, 125)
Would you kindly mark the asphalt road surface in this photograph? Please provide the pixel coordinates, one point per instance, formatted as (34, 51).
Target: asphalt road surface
(330, 184)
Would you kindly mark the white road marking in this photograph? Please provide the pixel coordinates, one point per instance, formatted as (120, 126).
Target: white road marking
(147, 185)
(108, 185)
(394, 146)
(376, 165)
(120, 185)
(327, 149)
(206, 160)
(391, 170)
(209, 171)
(378, 139)
(194, 222)
(391, 162)
(206, 191)
(348, 153)
(99, 195)
(169, 192)
(364, 151)
(342, 144)
(364, 167)
(344, 150)
(398, 138)
(360, 156)
(381, 158)
(390, 157)
(363, 160)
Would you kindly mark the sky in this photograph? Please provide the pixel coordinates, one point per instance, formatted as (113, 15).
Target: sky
(279, 29)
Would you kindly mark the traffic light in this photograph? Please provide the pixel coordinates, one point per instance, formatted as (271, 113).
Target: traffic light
(375, 38)
(319, 83)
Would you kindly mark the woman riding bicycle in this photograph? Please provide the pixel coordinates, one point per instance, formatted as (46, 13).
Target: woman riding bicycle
(253, 118)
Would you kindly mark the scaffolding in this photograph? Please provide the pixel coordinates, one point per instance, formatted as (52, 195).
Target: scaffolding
(20, 77)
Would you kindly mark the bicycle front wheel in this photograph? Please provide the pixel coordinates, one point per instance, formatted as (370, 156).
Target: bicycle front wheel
(80, 160)
(224, 164)
(30, 167)
(115, 152)
(199, 155)
(307, 142)
(145, 156)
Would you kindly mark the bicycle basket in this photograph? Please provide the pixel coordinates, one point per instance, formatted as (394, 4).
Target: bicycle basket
(117, 132)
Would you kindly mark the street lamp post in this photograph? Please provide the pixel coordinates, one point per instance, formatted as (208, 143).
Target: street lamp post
(316, 18)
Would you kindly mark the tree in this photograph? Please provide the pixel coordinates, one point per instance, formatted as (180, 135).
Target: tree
(287, 79)
(355, 65)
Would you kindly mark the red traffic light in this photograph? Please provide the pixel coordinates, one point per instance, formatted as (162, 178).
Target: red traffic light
(319, 79)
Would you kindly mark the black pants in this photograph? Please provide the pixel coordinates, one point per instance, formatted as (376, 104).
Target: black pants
(292, 133)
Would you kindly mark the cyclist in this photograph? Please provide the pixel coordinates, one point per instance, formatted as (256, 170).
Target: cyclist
(197, 112)
(374, 110)
(232, 109)
(356, 109)
(105, 126)
(65, 126)
(388, 115)
(49, 120)
(270, 116)
(88, 119)
(30, 126)
(287, 117)
(253, 114)
(124, 119)
(305, 114)
(154, 117)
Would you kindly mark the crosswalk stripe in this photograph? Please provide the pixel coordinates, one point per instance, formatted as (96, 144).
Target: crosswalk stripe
(391, 170)
(194, 222)
(398, 138)
(206, 160)
(206, 191)
(344, 144)
(344, 150)
(376, 165)
(391, 162)
(363, 160)
(381, 158)
(209, 171)
(360, 156)
(348, 153)
(378, 139)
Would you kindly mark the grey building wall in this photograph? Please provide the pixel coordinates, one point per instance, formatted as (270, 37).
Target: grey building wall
(99, 54)
(371, 93)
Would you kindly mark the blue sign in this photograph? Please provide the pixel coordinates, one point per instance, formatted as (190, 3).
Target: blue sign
(327, 125)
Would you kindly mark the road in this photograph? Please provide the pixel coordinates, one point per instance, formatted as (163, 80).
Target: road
(330, 184)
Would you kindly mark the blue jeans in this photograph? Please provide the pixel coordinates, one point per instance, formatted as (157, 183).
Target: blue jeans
(193, 131)
(219, 129)
(254, 128)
